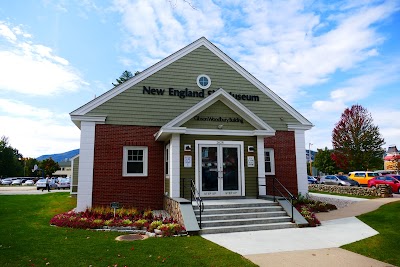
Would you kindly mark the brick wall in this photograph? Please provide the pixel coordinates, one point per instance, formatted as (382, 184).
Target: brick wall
(283, 144)
(108, 183)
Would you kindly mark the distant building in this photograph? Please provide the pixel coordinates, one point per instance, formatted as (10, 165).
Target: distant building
(392, 159)
(65, 169)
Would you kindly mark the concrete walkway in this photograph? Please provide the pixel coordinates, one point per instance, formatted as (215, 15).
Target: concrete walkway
(311, 246)
(25, 190)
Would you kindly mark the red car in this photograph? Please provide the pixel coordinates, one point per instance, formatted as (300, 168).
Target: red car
(392, 180)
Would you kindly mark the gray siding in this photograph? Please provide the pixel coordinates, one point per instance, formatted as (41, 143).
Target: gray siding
(75, 176)
(132, 107)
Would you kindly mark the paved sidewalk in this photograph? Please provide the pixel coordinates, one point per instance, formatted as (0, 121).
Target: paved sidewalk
(25, 190)
(311, 246)
(329, 257)
(357, 208)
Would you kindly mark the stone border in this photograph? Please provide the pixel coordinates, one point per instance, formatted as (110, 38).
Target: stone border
(382, 190)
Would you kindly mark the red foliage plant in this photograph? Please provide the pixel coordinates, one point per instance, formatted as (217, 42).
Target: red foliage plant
(98, 217)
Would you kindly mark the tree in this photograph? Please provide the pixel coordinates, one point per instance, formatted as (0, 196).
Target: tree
(323, 161)
(9, 164)
(126, 75)
(49, 166)
(356, 141)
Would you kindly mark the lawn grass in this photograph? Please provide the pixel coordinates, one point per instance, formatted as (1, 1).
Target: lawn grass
(384, 246)
(27, 239)
(343, 195)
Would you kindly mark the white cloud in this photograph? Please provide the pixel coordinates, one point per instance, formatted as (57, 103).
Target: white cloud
(7, 33)
(36, 131)
(19, 109)
(35, 138)
(360, 87)
(386, 118)
(286, 54)
(155, 29)
(33, 69)
(328, 106)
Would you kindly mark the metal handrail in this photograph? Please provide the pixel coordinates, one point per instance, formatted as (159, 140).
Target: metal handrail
(292, 197)
(196, 195)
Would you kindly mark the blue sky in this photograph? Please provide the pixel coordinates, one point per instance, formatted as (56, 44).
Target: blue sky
(319, 56)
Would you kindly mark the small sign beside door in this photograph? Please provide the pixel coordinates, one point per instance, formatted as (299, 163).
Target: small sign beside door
(187, 161)
(250, 161)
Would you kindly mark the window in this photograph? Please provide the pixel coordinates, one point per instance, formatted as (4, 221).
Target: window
(135, 161)
(203, 81)
(269, 161)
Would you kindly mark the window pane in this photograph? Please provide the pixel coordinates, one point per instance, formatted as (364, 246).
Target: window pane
(135, 155)
(134, 167)
(267, 166)
(267, 156)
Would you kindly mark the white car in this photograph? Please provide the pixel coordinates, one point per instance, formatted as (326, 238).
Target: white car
(41, 184)
(6, 181)
(29, 182)
(64, 183)
(16, 182)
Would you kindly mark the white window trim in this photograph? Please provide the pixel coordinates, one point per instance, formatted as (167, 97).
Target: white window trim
(145, 161)
(201, 86)
(167, 162)
(272, 157)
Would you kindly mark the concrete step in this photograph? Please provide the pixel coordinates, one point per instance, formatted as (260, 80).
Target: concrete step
(208, 211)
(241, 215)
(245, 228)
(242, 222)
(225, 217)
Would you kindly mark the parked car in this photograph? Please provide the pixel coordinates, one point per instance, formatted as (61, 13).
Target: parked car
(362, 177)
(392, 180)
(6, 181)
(29, 182)
(312, 180)
(16, 182)
(64, 183)
(41, 184)
(338, 180)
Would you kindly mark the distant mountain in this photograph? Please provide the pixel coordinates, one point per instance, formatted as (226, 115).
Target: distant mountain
(66, 156)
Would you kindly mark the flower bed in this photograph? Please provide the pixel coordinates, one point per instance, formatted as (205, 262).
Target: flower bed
(128, 219)
(308, 208)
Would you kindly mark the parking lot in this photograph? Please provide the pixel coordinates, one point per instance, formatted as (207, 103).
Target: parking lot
(24, 190)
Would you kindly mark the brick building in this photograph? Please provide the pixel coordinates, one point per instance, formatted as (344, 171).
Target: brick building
(196, 115)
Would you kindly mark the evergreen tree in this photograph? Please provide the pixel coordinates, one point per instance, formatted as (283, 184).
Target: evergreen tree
(126, 75)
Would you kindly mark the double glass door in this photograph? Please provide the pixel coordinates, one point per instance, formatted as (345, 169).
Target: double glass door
(220, 170)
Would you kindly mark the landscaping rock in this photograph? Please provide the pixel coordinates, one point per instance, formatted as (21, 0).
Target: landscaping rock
(381, 190)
